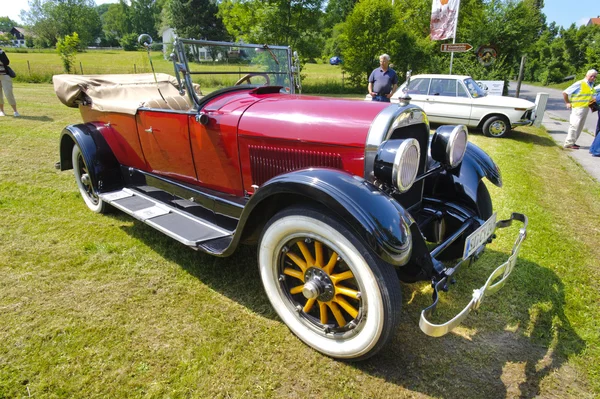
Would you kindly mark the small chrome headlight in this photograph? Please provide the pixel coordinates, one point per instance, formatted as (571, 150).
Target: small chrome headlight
(397, 162)
(449, 144)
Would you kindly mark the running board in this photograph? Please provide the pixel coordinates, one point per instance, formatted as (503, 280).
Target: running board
(187, 229)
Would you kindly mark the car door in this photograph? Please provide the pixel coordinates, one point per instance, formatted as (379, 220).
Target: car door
(417, 90)
(165, 140)
(448, 102)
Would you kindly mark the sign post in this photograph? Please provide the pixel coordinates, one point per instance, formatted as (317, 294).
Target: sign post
(455, 47)
(454, 37)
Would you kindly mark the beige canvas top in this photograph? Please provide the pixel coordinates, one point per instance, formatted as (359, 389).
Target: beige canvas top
(117, 93)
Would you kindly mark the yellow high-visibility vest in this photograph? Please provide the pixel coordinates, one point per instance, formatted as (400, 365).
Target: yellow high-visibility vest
(583, 97)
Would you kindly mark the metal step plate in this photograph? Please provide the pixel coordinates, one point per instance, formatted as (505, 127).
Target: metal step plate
(185, 228)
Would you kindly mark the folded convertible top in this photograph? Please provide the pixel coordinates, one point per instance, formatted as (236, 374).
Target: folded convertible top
(114, 93)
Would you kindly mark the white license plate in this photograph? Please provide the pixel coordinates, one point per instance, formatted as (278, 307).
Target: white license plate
(479, 236)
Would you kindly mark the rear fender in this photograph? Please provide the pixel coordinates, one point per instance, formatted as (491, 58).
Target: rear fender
(103, 167)
(379, 220)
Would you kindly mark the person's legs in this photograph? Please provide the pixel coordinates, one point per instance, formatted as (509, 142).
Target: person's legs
(576, 122)
(597, 124)
(7, 86)
(1, 98)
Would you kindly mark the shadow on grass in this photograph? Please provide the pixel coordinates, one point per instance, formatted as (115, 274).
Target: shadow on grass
(492, 362)
(236, 277)
(36, 118)
(531, 138)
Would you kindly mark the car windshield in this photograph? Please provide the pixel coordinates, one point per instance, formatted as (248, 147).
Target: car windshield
(474, 88)
(218, 65)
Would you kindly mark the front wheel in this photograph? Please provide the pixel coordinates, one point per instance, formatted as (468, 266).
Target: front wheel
(496, 126)
(326, 286)
(84, 182)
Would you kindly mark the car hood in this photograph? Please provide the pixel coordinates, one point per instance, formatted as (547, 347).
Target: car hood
(311, 119)
(503, 101)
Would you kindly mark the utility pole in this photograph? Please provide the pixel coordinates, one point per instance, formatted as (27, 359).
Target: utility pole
(520, 79)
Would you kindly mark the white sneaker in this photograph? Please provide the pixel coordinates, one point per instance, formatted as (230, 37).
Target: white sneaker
(2, 114)
(17, 114)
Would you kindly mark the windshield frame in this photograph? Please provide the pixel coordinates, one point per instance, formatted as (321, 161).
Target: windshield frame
(477, 91)
(182, 66)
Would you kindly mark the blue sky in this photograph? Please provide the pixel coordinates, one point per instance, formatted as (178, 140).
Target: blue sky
(563, 12)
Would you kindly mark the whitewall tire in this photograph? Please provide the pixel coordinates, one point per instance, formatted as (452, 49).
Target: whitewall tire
(326, 286)
(84, 182)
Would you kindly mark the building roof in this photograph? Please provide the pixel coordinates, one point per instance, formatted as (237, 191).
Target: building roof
(594, 21)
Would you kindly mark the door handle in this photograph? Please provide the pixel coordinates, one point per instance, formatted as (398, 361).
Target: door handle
(149, 130)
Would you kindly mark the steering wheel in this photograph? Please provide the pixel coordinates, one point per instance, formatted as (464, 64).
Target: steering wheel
(246, 78)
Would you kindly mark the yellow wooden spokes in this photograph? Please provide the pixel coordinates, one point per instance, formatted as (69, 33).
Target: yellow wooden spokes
(306, 252)
(331, 264)
(336, 278)
(346, 291)
(297, 260)
(294, 273)
(309, 305)
(323, 310)
(347, 307)
(319, 254)
(337, 314)
(338, 302)
(296, 290)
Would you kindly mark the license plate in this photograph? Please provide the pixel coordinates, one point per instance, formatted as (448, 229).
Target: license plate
(479, 236)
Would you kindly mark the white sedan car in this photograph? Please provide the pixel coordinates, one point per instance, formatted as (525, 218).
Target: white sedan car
(458, 100)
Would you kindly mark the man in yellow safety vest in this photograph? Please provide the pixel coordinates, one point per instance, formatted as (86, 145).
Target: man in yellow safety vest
(577, 97)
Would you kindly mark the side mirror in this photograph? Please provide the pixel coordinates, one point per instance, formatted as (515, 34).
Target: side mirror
(144, 40)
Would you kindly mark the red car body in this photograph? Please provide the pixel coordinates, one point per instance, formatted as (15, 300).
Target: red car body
(343, 197)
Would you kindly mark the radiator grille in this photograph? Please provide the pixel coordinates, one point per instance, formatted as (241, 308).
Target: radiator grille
(267, 162)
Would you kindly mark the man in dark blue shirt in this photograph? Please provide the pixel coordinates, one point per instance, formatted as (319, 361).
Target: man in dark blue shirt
(383, 81)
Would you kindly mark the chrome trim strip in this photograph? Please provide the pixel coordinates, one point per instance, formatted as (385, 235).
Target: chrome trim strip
(525, 122)
(384, 124)
(489, 288)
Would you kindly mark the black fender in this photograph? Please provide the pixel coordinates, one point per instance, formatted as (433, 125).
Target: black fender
(103, 167)
(462, 183)
(378, 220)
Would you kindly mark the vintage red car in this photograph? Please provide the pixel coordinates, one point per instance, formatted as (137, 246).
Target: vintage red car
(343, 198)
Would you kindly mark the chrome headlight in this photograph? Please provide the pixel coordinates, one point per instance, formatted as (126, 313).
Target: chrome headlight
(397, 162)
(449, 144)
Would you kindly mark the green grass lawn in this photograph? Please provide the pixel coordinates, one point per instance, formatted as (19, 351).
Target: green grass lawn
(104, 306)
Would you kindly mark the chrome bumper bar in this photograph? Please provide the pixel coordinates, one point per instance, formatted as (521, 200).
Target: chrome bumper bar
(495, 281)
(523, 122)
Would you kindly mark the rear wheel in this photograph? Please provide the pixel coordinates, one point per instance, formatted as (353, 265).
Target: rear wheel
(84, 182)
(496, 126)
(326, 286)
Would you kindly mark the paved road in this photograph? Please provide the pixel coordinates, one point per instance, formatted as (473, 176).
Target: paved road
(556, 121)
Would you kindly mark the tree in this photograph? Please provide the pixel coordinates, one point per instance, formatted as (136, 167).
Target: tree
(6, 24)
(196, 19)
(144, 15)
(67, 49)
(365, 35)
(295, 23)
(52, 19)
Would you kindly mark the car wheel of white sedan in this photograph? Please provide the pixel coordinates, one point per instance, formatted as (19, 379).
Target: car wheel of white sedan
(496, 126)
(84, 182)
(326, 286)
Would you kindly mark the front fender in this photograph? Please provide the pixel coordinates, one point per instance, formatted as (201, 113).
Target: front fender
(481, 164)
(379, 220)
(462, 184)
(103, 167)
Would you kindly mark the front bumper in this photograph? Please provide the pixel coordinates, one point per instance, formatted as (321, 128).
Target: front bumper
(523, 122)
(495, 281)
